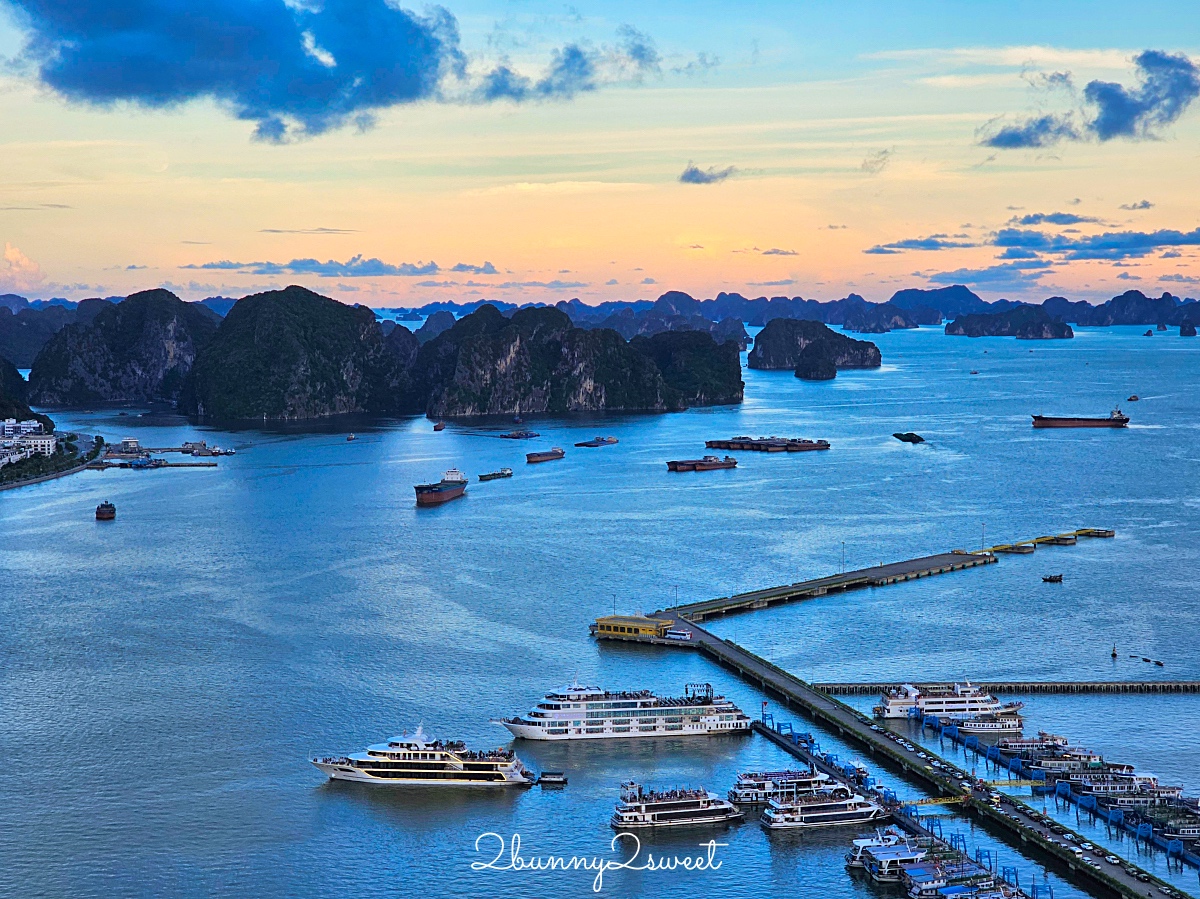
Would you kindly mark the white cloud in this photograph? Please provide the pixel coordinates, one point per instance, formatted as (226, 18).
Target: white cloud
(20, 273)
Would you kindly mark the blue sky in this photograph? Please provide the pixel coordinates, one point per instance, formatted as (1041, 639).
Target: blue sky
(538, 151)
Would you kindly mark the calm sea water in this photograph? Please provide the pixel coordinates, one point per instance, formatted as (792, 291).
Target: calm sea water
(165, 676)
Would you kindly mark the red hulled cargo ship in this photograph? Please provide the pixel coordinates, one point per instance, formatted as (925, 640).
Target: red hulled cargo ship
(452, 486)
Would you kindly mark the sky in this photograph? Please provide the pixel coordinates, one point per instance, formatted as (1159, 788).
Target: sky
(395, 155)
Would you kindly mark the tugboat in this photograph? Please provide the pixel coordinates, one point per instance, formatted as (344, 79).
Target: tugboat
(549, 455)
(452, 486)
(1115, 419)
(106, 511)
(640, 808)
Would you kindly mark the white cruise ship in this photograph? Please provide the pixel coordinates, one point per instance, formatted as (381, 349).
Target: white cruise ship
(418, 761)
(832, 807)
(589, 713)
(641, 808)
(757, 788)
(963, 700)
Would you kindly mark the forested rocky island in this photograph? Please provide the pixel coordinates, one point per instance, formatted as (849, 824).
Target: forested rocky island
(293, 354)
(1023, 323)
(812, 350)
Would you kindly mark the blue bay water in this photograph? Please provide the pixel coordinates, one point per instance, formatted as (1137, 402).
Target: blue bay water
(165, 676)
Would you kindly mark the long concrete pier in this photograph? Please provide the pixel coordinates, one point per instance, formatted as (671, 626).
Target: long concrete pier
(870, 688)
(875, 576)
(1013, 820)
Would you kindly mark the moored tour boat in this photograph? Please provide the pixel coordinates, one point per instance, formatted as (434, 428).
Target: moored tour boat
(419, 761)
(577, 712)
(890, 837)
(452, 486)
(758, 788)
(641, 808)
(834, 806)
(549, 455)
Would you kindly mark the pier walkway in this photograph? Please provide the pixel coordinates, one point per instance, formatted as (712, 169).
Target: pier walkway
(1013, 819)
(1107, 686)
(876, 576)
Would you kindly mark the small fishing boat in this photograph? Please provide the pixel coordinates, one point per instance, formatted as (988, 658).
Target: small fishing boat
(1133, 398)
(1052, 579)
(496, 475)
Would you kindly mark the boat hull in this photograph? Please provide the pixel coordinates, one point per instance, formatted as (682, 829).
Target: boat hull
(1047, 421)
(339, 772)
(706, 821)
(532, 458)
(437, 497)
(784, 824)
(530, 732)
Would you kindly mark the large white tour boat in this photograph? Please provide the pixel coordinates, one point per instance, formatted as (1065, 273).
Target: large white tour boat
(757, 788)
(587, 713)
(641, 808)
(963, 700)
(418, 761)
(831, 807)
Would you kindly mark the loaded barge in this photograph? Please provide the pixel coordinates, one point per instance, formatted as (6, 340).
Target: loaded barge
(768, 444)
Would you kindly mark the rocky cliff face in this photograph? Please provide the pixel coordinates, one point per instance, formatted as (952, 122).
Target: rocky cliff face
(702, 371)
(140, 350)
(810, 349)
(294, 354)
(535, 362)
(438, 323)
(1023, 322)
(883, 317)
(13, 391)
(1187, 328)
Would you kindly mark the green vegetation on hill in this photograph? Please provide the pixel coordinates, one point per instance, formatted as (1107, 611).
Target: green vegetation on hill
(537, 361)
(139, 350)
(704, 372)
(812, 350)
(13, 393)
(293, 354)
